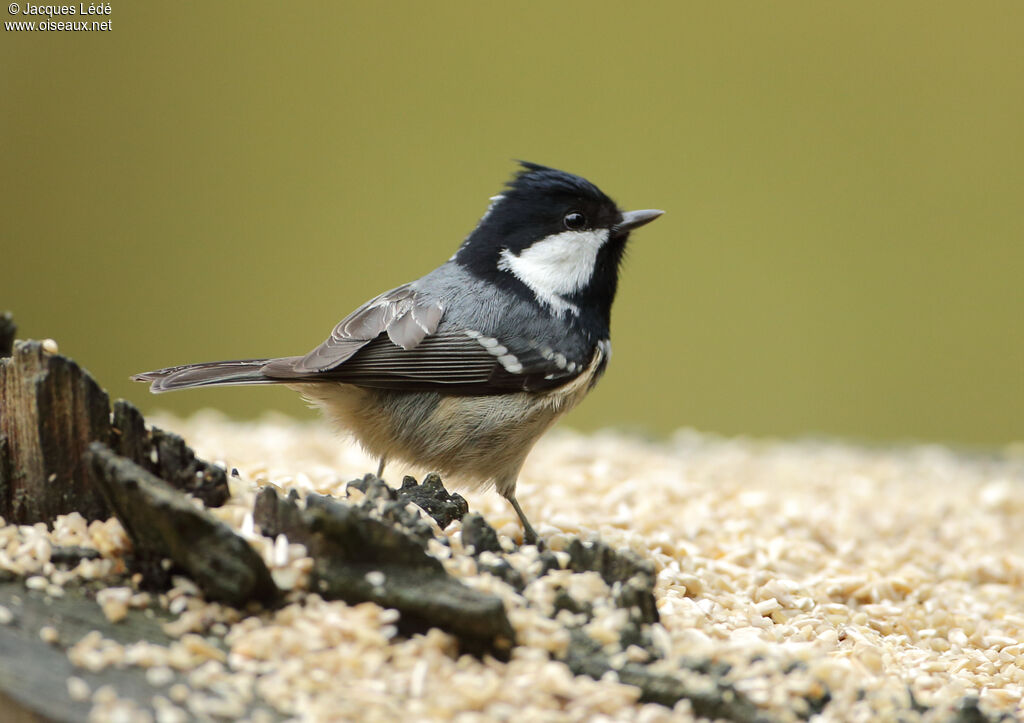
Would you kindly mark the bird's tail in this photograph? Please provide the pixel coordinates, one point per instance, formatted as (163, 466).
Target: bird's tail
(208, 374)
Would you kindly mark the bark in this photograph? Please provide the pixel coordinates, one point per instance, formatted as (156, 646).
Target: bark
(50, 411)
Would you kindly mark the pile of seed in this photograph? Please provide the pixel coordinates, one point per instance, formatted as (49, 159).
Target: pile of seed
(862, 583)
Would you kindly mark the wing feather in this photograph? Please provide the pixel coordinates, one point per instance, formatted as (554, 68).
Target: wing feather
(393, 342)
(394, 312)
(453, 362)
(405, 332)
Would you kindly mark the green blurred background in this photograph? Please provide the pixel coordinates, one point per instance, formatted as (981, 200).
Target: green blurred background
(843, 251)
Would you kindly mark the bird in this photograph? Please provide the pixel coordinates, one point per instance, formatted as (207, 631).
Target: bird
(462, 370)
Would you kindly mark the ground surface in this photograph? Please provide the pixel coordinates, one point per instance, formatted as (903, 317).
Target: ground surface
(883, 584)
(877, 573)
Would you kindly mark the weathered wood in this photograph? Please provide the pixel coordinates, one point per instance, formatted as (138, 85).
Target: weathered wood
(634, 574)
(479, 535)
(33, 674)
(712, 698)
(6, 474)
(50, 409)
(166, 455)
(163, 523)
(434, 499)
(360, 558)
(7, 331)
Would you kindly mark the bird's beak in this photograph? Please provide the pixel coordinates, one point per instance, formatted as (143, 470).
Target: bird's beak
(636, 219)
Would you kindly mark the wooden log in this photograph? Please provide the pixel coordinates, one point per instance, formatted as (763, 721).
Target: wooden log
(434, 499)
(163, 523)
(33, 673)
(711, 698)
(50, 409)
(634, 575)
(359, 558)
(166, 455)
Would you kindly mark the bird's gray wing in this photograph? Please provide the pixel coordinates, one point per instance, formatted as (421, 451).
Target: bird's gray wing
(398, 341)
(403, 315)
(458, 361)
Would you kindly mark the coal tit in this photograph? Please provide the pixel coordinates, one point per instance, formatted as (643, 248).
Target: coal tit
(462, 370)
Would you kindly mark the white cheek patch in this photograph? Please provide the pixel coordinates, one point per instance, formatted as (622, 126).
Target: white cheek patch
(557, 265)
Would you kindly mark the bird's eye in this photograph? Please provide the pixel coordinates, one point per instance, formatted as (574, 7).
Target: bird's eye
(574, 221)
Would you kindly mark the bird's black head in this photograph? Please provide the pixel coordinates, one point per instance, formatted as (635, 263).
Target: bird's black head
(555, 238)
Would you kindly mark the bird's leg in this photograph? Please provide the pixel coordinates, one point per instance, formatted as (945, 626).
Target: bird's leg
(529, 534)
(380, 467)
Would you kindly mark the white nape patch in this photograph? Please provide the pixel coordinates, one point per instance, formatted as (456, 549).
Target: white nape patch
(560, 264)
